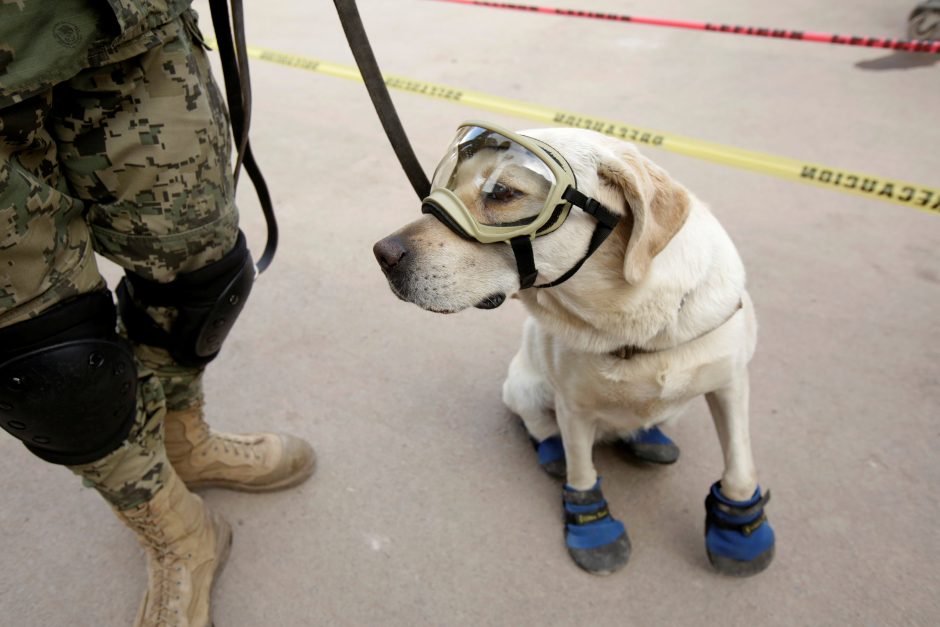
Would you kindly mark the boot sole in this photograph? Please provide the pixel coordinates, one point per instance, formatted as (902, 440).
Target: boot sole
(287, 482)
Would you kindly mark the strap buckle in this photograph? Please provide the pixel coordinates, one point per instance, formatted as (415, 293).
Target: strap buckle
(592, 207)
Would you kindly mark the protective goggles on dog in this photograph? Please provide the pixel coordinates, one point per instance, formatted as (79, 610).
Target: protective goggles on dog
(494, 185)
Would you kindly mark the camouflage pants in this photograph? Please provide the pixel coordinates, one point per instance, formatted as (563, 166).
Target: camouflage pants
(129, 160)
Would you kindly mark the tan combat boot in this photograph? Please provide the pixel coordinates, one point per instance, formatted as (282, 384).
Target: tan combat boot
(254, 462)
(186, 547)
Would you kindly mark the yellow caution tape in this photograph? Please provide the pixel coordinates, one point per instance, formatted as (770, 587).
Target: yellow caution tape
(868, 185)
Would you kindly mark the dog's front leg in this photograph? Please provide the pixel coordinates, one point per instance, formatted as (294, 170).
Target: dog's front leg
(729, 409)
(738, 538)
(596, 541)
(577, 434)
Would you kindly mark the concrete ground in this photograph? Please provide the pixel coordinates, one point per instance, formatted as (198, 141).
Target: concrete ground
(428, 507)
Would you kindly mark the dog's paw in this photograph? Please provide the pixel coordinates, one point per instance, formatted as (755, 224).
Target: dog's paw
(738, 538)
(551, 454)
(651, 445)
(596, 541)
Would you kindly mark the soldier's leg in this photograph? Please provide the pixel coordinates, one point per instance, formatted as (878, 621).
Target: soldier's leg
(69, 384)
(53, 309)
(146, 143)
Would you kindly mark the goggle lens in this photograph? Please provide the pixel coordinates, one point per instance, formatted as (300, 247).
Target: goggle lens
(499, 181)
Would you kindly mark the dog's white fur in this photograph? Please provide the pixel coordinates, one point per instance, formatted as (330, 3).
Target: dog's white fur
(669, 281)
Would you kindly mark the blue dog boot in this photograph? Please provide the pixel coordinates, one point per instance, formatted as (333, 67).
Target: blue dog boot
(738, 538)
(651, 445)
(551, 456)
(596, 541)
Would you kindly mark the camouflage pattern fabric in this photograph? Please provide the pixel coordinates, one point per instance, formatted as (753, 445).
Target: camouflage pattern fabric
(45, 42)
(129, 159)
(144, 143)
(133, 473)
(182, 386)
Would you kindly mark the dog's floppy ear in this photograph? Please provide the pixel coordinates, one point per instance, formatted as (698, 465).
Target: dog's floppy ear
(660, 205)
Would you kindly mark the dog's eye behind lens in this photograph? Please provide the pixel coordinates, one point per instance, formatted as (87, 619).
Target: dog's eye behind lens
(502, 193)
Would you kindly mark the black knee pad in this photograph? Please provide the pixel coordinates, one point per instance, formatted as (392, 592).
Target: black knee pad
(207, 303)
(68, 382)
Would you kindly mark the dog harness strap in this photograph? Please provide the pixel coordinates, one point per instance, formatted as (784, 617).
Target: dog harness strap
(525, 260)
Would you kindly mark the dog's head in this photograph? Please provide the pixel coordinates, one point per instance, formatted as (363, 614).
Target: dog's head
(428, 264)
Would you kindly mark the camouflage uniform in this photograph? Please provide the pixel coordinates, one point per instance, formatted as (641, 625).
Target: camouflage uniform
(113, 139)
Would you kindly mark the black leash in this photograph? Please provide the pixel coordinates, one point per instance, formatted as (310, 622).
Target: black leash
(234, 57)
(378, 92)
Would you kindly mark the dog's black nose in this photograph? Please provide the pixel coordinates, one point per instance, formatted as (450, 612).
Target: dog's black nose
(389, 252)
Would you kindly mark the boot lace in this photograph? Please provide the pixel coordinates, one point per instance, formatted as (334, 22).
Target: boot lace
(237, 445)
(156, 545)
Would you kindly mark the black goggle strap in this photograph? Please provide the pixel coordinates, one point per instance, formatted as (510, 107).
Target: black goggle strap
(525, 260)
(606, 222)
(590, 206)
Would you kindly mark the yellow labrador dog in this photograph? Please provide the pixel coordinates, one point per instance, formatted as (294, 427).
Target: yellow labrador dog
(656, 317)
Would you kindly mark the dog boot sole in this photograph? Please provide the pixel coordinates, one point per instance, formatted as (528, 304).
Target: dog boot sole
(557, 469)
(652, 453)
(738, 568)
(604, 560)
